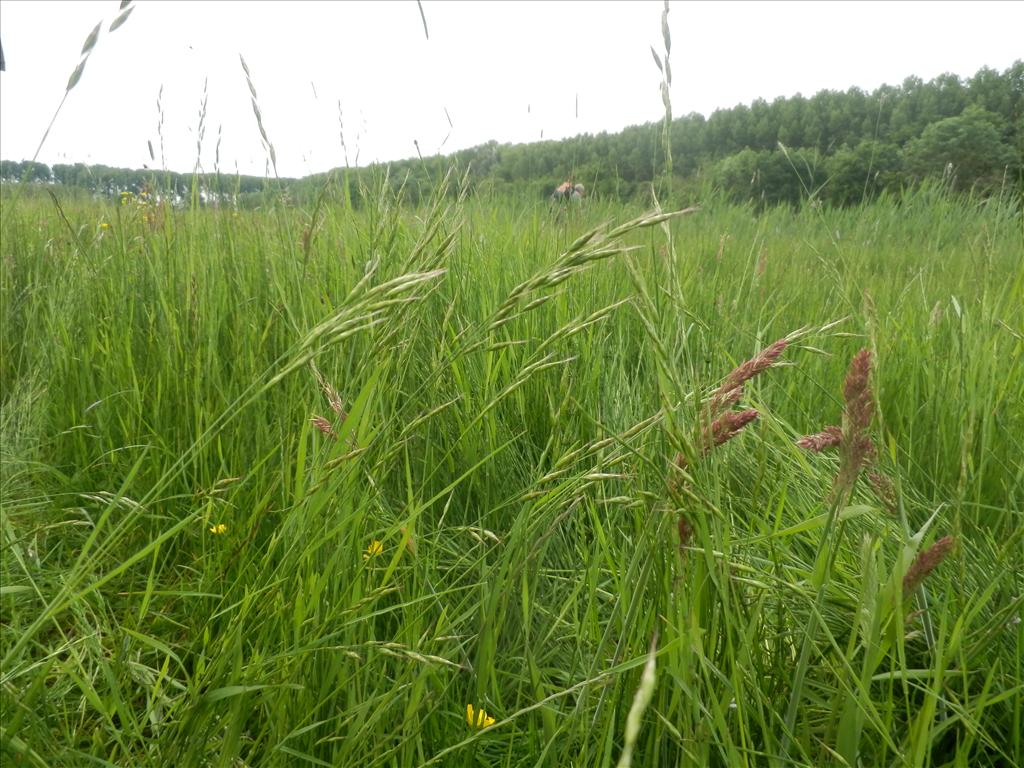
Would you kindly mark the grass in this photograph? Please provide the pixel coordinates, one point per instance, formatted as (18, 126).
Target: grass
(513, 395)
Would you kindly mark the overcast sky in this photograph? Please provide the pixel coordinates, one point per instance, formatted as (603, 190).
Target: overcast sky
(509, 71)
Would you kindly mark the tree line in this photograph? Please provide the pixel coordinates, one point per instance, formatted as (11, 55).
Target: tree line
(837, 147)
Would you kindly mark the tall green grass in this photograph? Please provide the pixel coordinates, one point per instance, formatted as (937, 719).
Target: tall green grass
(514, 384)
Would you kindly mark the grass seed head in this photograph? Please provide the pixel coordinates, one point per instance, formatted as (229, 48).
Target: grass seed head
(926, 562)
(333, 398)
(857, 391)
(830, 437)
(748, 370)
(726, 427)
(727, 399)
(856, 447)
(324, 426)
(884, 489)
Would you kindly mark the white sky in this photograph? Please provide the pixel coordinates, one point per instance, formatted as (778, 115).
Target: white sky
(503, 70)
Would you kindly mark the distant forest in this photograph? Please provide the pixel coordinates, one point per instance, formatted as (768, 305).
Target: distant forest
(837, 147)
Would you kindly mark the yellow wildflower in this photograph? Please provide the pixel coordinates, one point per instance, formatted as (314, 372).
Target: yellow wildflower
(218, 528)
(479, 718)
(104, 225)
(373, 550)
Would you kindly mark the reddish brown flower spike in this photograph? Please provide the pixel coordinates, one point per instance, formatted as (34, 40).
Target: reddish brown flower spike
(829, 437)
(748, 370)
(724, 423)
(726, 399)
(856, 447)
(324, 426)
(926, 562)
(857, 392)
(884, 490)
(727, 426)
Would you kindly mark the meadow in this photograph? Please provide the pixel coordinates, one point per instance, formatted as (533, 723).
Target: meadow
(478, 482)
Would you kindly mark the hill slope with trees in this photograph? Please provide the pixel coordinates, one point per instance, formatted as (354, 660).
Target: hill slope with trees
(838, 147)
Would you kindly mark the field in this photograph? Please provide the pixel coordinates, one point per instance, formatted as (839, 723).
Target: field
(299, 486)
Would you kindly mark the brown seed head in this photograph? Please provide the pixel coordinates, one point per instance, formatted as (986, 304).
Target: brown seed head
(333, 398)
(882, 485)
(829, 437)
(720, 427)
(856, 448)
(748, 370)
(324, 426)
(926, 562)
(721, 430)
(725, 400)
(857, 392)
(726, 427)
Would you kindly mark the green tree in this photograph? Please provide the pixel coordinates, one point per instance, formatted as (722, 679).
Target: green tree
(863, 171)
(970, 146)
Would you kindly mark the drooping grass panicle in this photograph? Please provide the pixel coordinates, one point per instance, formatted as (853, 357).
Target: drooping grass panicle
(259, 115)
(333, 398)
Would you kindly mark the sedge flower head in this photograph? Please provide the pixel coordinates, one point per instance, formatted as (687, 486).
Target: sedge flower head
(375, 548)
(478, 718)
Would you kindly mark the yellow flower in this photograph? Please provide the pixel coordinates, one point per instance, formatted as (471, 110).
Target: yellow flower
(479, 719)
(373, 550)
(104, 225)
(218, 528)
